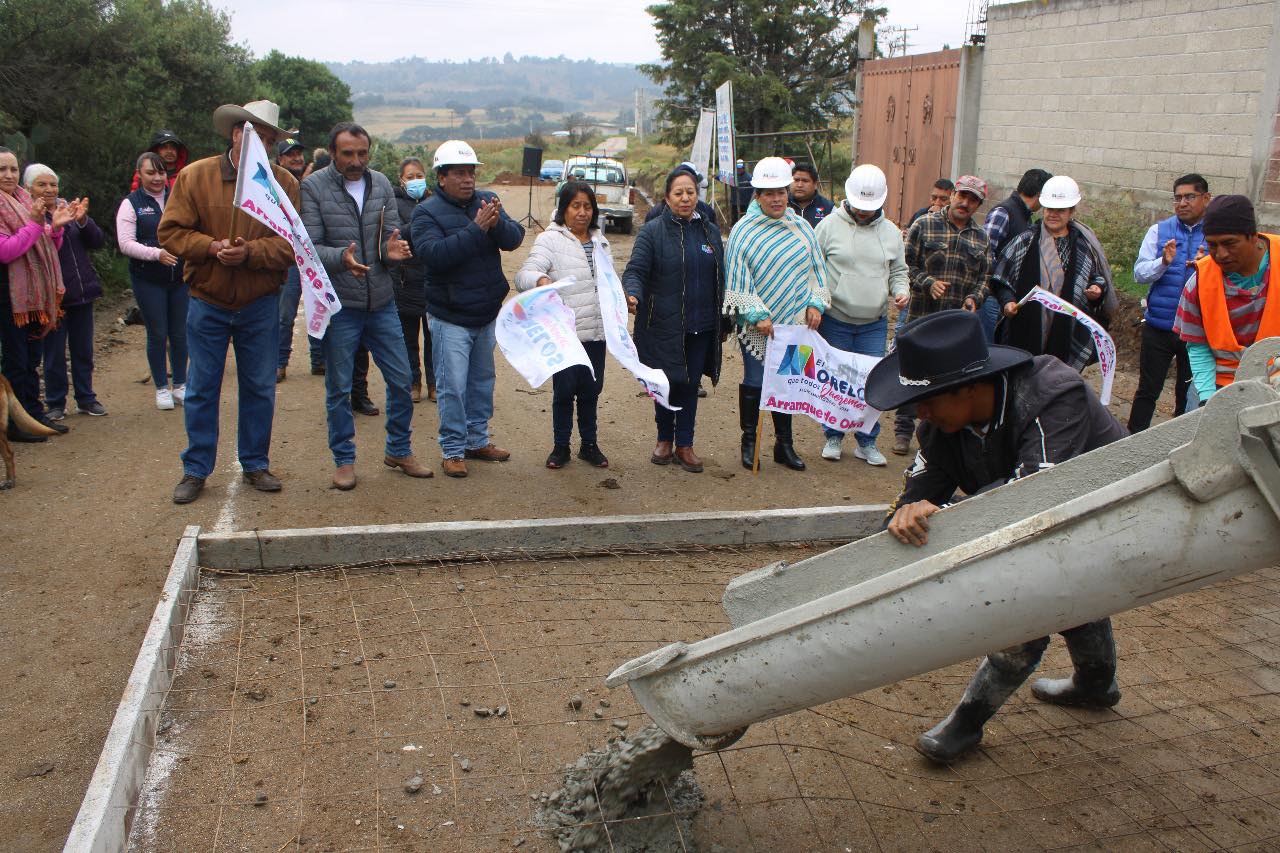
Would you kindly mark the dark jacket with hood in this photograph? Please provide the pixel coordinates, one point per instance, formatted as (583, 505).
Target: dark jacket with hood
(184, 156)
(1045, 414)
(78, 275)
(817, 209)
(656, 275)
(334, 222)
(465, 282)
(410, 277)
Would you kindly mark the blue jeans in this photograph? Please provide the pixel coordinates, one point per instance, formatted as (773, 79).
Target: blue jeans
(379, 331)
(989, 314)
(164, 312)
(251, 331)
(575, 383)
(76, 330)
(678, 426)
(290, 296)
(752, 368)
(860, 338)
(463, 359)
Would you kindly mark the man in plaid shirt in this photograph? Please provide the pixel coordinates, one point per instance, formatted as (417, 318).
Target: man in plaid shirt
(947, 256)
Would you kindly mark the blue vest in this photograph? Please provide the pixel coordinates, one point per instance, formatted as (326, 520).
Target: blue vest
(1162, 300)
(148, 214)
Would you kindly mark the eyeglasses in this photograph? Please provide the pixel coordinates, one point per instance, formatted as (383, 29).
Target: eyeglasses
(1187, 197)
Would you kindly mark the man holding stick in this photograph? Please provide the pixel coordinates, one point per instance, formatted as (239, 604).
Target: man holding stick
(234, 266)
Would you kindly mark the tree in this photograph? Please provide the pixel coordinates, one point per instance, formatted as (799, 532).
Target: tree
(310, 96)
(790, 61)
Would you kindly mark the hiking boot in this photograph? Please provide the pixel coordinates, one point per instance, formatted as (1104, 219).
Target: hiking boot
(831, 450)
(364, 406)
(869, 454)
(454, 467)
(344, 477)
(662, 454)
(901, 445)
(263, 480)
(409, 465)
(94, 409)
(488, 453)
(689, 460)
(590, 453)
(558, 457)
(188, 489)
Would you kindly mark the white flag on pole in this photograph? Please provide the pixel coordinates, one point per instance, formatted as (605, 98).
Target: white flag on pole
(1101, 340)
(613, 311)
(805, 375)
(537, 333)
(261, 196)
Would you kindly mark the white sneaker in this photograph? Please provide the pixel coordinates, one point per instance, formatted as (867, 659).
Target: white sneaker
(180, 394)
(831, 450)
(164, 399)
(871, 455)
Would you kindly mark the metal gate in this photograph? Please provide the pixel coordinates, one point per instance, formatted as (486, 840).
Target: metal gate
(907, 124)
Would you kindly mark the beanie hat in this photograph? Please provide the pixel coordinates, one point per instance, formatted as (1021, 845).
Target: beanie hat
(1230, 214)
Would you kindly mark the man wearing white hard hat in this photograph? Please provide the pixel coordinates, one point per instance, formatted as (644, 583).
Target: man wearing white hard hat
(235, 299)
(866, 268)
(1063, 256)
(774, 274)
(460, 234)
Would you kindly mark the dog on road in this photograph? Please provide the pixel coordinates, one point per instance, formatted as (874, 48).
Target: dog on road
(11, 408)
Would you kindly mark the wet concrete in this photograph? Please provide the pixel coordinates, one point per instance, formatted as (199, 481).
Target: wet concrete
(633, 795)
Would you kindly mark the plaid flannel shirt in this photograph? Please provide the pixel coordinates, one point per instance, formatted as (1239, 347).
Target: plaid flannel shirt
(936, 249)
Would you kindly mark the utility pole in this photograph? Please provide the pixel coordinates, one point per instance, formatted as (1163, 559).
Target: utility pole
(639, 114)
(895, 39)
(866, 52)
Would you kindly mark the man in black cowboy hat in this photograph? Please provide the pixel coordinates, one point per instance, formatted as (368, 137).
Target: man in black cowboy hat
(991, 414)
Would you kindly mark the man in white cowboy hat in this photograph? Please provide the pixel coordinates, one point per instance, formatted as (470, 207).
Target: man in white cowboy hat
(234, 266)
(991, 414)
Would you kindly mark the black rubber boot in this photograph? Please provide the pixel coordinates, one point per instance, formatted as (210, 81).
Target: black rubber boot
(961, 731)
(1093, 653)
(784, 453)
(748, 419)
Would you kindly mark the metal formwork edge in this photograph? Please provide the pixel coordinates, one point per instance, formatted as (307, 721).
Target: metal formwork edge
(106, 812)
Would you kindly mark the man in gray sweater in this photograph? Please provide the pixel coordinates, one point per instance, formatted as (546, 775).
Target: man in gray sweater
(350, 213)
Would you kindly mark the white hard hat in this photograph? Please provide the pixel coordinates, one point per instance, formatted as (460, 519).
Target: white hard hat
(455, 152)
(867, 188)
(771, 173)
(1059, 191)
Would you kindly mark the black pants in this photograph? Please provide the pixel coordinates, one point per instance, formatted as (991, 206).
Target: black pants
(411, 323)
(360, 375)
(1159, 347)
(20, 356)
(904, 422)
(575, 384)
(699, 349)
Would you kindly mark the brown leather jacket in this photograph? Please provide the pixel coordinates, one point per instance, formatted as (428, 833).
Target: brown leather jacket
(199, 211)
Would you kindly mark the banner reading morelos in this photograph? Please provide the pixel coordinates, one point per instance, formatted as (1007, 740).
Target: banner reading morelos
(1101, 340)
(804, 375)
(537, 333)
(613, 312)
(261, 196)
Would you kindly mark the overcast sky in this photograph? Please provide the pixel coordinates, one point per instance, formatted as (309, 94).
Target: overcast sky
(614, 31)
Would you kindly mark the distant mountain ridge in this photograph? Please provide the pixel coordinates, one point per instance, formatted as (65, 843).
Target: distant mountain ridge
(553, 84)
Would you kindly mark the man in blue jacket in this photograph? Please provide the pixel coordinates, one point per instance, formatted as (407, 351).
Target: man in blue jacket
(1165, 261)
(460, 234)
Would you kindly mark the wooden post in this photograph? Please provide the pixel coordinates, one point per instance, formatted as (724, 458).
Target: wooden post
(755, 463)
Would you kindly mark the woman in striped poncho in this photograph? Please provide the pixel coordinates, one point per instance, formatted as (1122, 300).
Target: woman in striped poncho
(775, 273)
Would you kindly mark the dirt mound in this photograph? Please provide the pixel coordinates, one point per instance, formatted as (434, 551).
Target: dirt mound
(510, 177)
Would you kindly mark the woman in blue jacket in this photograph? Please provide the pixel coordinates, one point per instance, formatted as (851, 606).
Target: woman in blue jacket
(675, 286)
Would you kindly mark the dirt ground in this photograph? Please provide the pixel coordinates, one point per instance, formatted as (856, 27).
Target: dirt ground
(90, 529)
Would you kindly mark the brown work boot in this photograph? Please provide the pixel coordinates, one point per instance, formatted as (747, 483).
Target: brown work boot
(454, 467)
(488, 453)
(263, 480)
(662, 454)
(280, 374)
(901, 444)
(187, 490)
(689, 460)
(415, 391)
(431, 393)
(408, 464)
(344, 478)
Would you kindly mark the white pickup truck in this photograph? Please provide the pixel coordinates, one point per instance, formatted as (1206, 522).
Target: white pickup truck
(608, 177)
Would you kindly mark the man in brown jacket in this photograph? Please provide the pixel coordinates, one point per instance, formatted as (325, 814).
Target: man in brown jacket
(234, 269)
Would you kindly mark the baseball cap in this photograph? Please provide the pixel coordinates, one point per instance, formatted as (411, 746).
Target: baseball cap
(284, 146)
(972, 184)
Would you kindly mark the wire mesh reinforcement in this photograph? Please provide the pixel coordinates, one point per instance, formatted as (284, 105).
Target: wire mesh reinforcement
(430, 707)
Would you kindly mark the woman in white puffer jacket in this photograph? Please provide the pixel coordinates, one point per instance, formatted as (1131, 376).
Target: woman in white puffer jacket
(566, 249)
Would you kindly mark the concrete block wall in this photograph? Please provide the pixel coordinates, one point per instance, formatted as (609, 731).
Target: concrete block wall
(1126, 95)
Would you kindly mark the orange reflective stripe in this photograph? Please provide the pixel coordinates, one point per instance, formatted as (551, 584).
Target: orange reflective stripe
(1215, 318)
